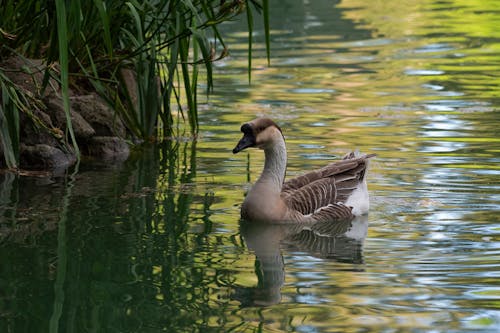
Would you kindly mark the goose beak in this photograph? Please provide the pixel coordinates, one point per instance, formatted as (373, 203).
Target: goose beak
(246, 141)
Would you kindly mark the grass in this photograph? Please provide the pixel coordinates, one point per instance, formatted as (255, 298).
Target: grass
(162, 44)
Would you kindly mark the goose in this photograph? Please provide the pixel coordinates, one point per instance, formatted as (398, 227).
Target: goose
(334, 192)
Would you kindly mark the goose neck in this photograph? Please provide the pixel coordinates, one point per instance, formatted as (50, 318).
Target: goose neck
(275, 164)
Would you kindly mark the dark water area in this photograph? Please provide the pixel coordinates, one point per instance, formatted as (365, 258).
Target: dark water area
(156, 244)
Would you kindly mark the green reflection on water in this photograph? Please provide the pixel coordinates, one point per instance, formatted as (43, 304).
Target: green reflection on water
(123, 258)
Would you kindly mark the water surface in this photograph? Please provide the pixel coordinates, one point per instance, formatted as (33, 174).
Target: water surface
(155, 244)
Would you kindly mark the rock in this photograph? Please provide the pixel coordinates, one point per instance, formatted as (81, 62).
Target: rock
(102, 118)
(130, 82)
(31, 133)
(44, 157)
(108, 148)
(82, 129)
(26, 73)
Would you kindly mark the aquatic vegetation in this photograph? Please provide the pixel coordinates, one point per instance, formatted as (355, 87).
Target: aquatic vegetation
(143, 58)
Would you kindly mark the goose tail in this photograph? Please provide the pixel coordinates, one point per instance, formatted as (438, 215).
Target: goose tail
(359, 200)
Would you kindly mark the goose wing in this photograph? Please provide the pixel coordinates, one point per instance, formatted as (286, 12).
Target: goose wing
(327, 186)
(322, 192)
(331, 169)
(349, 162)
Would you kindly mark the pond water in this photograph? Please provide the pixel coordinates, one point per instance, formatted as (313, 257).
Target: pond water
(156, 244)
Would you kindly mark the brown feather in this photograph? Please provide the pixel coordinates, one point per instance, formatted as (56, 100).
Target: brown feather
(326, 186)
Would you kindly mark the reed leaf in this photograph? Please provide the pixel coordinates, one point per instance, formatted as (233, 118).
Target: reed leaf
(62, 34)
(192, 112)
(265, 6)
(201, 43)
(9, 126)
(250, 39)
(101, 7)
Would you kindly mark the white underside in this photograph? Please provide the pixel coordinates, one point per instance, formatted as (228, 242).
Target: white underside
(359, 228)
(359, 200)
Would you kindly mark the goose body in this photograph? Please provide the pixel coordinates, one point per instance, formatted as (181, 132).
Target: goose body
(336, 191)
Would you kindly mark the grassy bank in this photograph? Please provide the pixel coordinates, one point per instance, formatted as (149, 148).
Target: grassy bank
(142, 57)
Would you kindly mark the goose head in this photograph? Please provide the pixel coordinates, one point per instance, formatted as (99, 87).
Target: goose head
(259, 133)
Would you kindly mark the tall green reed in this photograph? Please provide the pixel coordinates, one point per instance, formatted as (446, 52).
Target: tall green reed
(62, 37)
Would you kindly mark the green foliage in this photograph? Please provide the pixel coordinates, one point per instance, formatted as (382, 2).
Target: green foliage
(142, 57)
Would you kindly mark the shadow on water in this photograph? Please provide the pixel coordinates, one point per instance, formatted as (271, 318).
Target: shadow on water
(341, 241)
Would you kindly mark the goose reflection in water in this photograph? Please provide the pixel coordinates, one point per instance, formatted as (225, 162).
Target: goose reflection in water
(340, 241)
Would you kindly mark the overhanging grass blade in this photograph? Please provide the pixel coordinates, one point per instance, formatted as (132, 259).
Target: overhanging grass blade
(265, 13)
(201, 43)
(101, 8)
(250, 40)
(209, 12)
(62, 34)
(184, 51)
